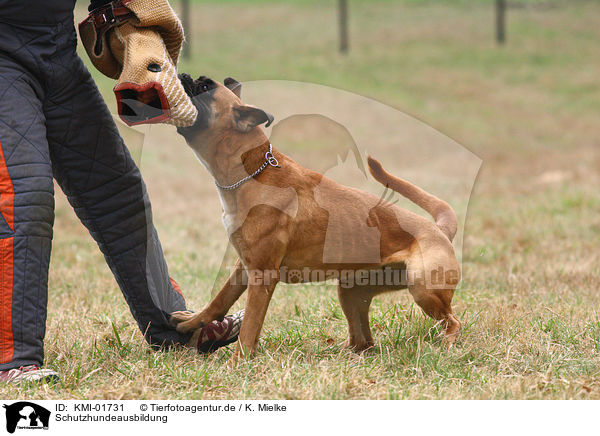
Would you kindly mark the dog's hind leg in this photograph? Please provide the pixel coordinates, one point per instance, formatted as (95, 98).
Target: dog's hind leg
(355, 303)
(231, 291)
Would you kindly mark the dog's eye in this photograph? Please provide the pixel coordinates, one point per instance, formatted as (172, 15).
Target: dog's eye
(204, 87)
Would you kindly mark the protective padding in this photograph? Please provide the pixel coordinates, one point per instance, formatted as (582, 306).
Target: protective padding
(142, 53)
(144, 95)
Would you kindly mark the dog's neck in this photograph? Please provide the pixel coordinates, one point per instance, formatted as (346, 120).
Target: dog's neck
(254, 158)
(245, 162)
(233, 158)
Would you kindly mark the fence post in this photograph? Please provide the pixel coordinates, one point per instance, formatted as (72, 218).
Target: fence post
(500, 21)
(343, 18)
(187, 27)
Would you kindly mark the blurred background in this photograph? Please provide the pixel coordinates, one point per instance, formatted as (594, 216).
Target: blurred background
(515, 82)
(436, 59)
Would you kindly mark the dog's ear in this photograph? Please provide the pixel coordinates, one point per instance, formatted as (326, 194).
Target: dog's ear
(234, 86)
(247, 117)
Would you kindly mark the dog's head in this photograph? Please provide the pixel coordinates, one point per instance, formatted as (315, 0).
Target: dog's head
(221, 113)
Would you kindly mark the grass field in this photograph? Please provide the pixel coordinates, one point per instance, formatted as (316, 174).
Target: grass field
(529, 299)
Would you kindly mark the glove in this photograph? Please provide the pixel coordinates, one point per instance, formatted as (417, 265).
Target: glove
(138, 42)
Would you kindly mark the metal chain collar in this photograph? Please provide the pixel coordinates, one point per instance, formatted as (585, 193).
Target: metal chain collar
(269, 160)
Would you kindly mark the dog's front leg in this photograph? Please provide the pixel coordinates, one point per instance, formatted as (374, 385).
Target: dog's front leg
(259, 296)
(231, 291)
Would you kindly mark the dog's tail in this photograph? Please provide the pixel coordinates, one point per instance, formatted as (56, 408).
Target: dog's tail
(442, 213)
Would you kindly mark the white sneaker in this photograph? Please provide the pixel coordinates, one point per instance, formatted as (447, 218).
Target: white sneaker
(28, 374)
(218, 333)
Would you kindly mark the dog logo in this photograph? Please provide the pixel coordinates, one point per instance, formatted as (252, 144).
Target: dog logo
(332, 132)
(26, 415)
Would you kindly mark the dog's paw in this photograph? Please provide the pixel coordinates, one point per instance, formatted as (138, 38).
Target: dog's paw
(179, 317)
(358, 347)
(192, 324)
(186, 321)
(240, 355)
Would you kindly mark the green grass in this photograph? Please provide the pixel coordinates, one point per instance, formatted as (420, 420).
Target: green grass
(529, 297)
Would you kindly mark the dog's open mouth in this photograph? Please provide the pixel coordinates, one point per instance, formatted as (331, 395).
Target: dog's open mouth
(140, 104)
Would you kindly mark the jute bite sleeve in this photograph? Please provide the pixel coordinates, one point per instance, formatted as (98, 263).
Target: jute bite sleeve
(137, 42)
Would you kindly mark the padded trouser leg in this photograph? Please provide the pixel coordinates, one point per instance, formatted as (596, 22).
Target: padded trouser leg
(105, 187)
(26, 217)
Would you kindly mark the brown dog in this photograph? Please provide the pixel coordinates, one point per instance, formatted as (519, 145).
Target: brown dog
(283, 217)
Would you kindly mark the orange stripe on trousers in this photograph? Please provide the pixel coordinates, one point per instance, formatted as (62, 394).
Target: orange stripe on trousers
(7, 193)
(7, 344)
(7, 209)
(176, 287)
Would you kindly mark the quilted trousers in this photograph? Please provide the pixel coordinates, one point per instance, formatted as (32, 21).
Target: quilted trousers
(55, 124)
